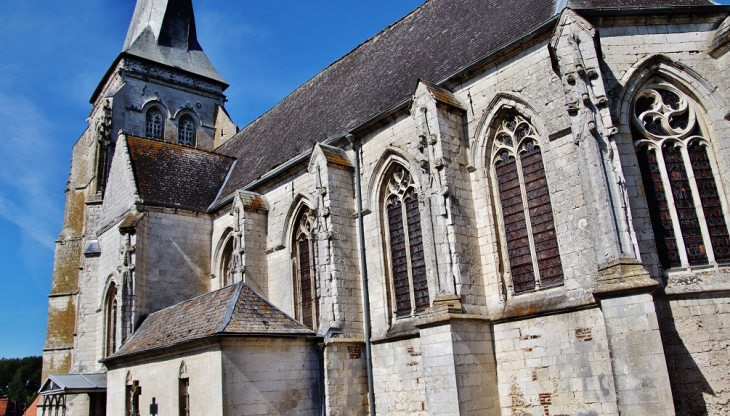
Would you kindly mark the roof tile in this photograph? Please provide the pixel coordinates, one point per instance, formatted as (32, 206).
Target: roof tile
(177, 176)
(433, 42)
(233, 310)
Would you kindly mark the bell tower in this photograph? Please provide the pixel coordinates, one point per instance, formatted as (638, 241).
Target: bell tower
(161, 86)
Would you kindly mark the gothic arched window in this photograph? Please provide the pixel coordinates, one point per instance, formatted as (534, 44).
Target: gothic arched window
(186, 131)
(528, 228)
(409, 284)
(111, 313)
(676, 168)
(154, 123)
(303, 258)
(225, 271)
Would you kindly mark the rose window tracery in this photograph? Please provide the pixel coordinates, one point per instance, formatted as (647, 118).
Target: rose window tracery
(683, 197)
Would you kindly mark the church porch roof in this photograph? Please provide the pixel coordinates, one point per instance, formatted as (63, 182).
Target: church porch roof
(235, 310)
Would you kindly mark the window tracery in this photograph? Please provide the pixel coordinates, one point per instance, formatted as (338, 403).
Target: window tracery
(409, 283)
(303, 259)
(153, 123)
(677, 170)
(528, 227)
(186, 131)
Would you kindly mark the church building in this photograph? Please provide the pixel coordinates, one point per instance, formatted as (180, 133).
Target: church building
(489, 208)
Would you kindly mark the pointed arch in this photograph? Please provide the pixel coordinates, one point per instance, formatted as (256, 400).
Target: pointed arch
(187, 127)
(489, 123)
(300, 201)
(399, 210)
(673, 72)
(111, 319)
(390, 157)
(666, 112)
(155, 118)
(223, 256)
(303, 253)
(510, 146)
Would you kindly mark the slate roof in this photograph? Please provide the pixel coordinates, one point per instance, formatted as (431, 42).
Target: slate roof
(232, 311)
(433, 42)
(74, 384)
(176, 176)
(164, 31)
(616, 4)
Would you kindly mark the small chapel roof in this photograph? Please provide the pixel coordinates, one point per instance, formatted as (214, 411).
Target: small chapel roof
(164, 31)
(176, 176)
(439, 39)
(235, 310)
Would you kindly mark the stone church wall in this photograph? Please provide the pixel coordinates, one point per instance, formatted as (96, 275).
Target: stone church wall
(558, 363)
(177, 251)
(160, 378)
(685, 40)
(122, 193)
(695, 332)
(398, 375)
(270, 376)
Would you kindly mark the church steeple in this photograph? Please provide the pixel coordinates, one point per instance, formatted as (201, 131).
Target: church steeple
(163, 31)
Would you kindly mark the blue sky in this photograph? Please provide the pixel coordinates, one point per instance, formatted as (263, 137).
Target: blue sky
(54, 52)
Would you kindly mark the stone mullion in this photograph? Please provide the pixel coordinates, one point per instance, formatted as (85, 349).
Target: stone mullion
(721, 195)
(314, 280)
(699, 208)
(528, 221)
(409, 265)
(501, 228)
(679, 238)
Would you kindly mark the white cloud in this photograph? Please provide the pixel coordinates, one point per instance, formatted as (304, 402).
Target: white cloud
(29, 171)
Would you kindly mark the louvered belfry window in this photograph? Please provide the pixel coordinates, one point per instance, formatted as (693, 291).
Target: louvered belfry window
(186, 131)
(405, 241)
(528, 227)
(307, 299)
(153, 120)
(677, 171)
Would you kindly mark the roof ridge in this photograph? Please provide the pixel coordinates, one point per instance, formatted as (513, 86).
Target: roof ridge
(185, 302)
(180, 145)
(231, 308)
(331, 65)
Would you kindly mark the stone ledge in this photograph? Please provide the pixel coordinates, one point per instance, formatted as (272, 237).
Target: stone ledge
(623, 276)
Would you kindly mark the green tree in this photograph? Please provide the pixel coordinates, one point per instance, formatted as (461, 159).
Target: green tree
(20, 379)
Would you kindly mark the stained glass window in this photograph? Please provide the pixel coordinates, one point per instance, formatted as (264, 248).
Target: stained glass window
(405, 240)
(527, 216)
(684, 201)
(307, 299)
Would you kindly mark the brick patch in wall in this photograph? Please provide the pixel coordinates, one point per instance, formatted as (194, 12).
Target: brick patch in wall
(534, 372)
(355, 352)
(527, 337)
(545, 402)
(413, 352)
(584, 334)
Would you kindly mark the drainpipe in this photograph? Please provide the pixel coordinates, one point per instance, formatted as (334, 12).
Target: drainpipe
(364, 268)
